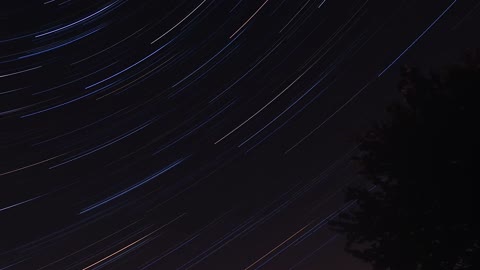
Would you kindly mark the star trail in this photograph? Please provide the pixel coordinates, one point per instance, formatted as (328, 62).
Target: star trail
(201, 134)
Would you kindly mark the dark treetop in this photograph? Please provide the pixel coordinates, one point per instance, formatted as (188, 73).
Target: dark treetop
(419, 212)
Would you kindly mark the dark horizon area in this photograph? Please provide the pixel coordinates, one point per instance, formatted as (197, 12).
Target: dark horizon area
(199, 134)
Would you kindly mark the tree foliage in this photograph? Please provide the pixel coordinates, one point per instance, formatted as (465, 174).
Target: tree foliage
(421, 163)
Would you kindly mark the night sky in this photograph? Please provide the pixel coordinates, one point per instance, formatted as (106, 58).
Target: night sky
(198, 134)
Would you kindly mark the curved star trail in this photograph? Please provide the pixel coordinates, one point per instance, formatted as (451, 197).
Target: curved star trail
(198, 134)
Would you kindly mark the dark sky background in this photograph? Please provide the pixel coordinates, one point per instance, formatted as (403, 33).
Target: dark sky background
(202, 134)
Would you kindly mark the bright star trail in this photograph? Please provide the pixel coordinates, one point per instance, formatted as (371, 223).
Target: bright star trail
(199, 134)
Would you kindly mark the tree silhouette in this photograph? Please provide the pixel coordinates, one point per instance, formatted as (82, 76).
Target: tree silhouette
(419, 211)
